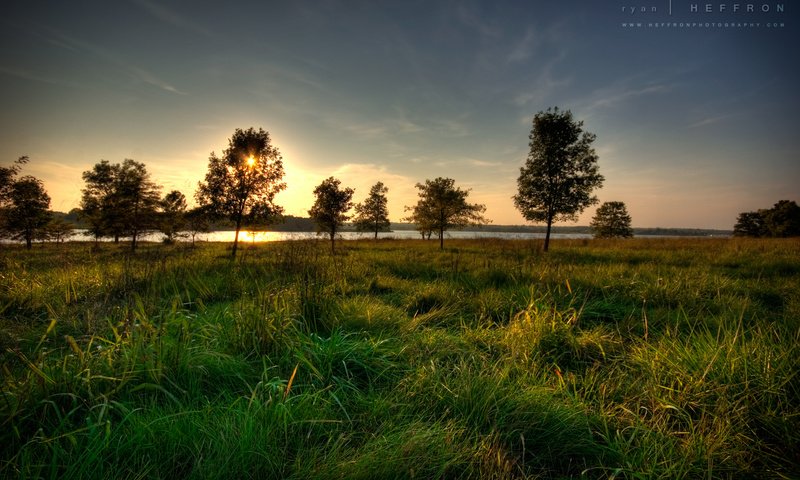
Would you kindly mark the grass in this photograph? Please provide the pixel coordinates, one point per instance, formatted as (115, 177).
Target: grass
(643, 358)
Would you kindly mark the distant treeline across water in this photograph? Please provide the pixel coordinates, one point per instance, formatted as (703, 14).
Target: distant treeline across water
(82, 235)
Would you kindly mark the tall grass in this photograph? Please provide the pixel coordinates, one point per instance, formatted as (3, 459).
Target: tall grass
(644, 358)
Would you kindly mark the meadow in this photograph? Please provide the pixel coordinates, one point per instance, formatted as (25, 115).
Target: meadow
(638, 358)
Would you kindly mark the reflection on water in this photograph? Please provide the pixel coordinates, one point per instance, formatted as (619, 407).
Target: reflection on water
(257, 237)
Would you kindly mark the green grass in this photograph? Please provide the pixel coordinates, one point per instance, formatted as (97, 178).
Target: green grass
(643, 358)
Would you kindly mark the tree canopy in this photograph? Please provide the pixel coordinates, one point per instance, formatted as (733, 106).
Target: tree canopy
(443, 206)
(241, 184)
(612, 220)
(561, 170)
(26, 214)
(782, 220)
(173, 215)
(373, 214)
(330, 207)
(120, 200)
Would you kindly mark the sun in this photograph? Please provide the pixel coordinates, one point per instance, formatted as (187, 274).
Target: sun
(251, 161)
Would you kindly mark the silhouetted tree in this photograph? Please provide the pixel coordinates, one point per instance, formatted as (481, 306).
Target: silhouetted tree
(98, 199)
(782, 220)
(242, 184)
(8, 176)
(373, 214)
(119, 200)
(26, 213)
(330, 207)
(442, 206)
(173, 215)
(58, 230)
(750, 224)
(138, 198)
(197, 221)
(612, 220)
(557, 180)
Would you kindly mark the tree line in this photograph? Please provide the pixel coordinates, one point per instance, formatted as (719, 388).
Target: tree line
(782, 220)
(120, 200)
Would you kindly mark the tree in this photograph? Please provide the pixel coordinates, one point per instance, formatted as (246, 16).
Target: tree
(26, 214)
(136, 199)
(242, 184)
(782, 220)
(612, 220)
(58, 230)
(119, 200)
(750, 224)
(7, 178)
(442, 206)
(558, 177)
(173, 215)
(97, 201)
(373, 214)
(330, 207)
(197, 220)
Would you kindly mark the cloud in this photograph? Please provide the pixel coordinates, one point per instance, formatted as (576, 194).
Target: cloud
(546, 83)
(134, 71)
(28, 75)
(483, 163)
(472, 19)
(709, 121)
(614, 98)
(171, 17)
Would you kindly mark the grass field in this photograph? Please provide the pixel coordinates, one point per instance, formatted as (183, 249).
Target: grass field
(642, 358)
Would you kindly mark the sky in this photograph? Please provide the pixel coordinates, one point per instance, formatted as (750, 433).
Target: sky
(696, 121)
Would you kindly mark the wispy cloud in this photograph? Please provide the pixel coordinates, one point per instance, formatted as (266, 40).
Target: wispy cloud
(614, 98)
(709, 121)
(173, 18)
(547, 83)
(28, 75)
(136, 72)
(467, 15)
(483, 163)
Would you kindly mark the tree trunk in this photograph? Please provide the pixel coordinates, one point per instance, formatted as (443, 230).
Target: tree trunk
(547, 235)
(236, 237)
(441, 239)
(333, 238)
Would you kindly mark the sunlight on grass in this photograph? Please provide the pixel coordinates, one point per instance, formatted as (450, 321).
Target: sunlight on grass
(637, 359)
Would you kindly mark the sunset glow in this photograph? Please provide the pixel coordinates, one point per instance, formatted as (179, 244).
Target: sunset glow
(693, 125)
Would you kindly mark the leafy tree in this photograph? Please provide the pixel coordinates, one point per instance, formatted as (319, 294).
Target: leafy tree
(373, 214)
(242, 184)
(197, 221)
(782, 220)
(173, 215)
(558, 177)
(330, 207)
(136, 198)
(442, 206)
(612, 220)
(58, 230)
(97, 199)
(750, 224)
(119, 200)
(26, 214)
(7, 178)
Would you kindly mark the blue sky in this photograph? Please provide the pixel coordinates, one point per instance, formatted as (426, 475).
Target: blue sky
(693, 124)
